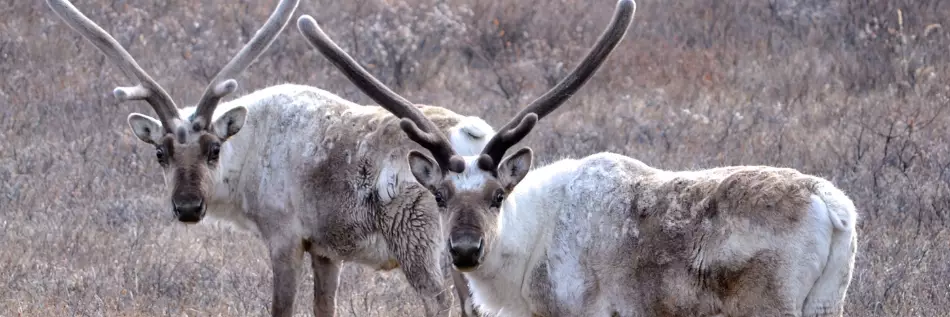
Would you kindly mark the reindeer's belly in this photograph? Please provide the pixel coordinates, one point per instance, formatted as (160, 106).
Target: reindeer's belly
(371, 250)
(374, 252)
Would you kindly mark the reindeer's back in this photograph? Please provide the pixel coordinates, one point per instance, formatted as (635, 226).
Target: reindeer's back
(709, 241)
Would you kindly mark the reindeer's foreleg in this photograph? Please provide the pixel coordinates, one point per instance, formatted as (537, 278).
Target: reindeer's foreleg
(326, 279)
(426, 279)
(286, 258)
(415, 244)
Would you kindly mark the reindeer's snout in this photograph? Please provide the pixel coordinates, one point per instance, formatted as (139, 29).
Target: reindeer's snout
(466, 251)
(189, 209)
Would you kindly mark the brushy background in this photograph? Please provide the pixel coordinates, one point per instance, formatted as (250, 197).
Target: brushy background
(851, 90)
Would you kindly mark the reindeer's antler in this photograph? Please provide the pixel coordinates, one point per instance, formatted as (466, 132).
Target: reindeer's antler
(522, 123)
(147, 89)
(419, 128)
(224, 83)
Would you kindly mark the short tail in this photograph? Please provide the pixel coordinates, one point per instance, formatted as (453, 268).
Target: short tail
(827, 296)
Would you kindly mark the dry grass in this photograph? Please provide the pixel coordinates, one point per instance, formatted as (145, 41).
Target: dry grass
(854, 91)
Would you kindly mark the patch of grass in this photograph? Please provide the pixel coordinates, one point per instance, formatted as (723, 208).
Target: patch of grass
(848, 90)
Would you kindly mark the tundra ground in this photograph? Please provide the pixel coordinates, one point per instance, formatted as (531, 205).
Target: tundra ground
(854, 91)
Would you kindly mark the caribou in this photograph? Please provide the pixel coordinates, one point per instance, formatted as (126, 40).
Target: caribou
(608, 235)
(303, 169)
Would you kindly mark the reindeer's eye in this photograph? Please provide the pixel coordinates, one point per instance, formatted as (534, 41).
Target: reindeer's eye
(440, 199)
(497, 198)
(213, 151)
(161, 156)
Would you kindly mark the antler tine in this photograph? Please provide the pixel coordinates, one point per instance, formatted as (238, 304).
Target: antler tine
(147, 89)
(419, 128)
(224, 83)
(520, 125)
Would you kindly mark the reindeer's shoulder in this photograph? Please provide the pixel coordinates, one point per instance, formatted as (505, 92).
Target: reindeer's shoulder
(606, 170)
(289, 101)
(286, 93)
(614, 162)
(582, 184)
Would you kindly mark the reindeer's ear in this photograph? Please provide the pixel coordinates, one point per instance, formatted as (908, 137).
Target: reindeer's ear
(146, 128)
(425, 169)
(228, 124)
(514, 168)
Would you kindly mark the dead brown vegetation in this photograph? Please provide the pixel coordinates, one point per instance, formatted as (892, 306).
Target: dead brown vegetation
(850, 90)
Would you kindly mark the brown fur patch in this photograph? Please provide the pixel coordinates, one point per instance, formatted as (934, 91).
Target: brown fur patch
(767, 196)
(686, 218)
(391, 264)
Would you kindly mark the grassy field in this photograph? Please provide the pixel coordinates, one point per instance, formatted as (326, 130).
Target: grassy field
(854, 91)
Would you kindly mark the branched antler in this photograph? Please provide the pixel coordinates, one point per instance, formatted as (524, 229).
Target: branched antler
(521, 124)
(147, 89)
(224, 83)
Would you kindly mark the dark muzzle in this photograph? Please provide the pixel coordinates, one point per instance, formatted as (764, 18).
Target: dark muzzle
(466, 252)
(189, 210)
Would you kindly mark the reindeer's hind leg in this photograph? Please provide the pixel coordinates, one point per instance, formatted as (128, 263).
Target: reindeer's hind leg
(326, 279)
(827, 295)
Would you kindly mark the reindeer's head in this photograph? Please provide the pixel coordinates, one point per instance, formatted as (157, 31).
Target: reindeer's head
(187, 148)
(471, 190)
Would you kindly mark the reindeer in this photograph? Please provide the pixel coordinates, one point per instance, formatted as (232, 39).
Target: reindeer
(608, 235)
(305, 170)
(448, 159)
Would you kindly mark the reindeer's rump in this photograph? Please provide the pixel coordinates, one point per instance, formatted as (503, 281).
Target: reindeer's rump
(727, 240)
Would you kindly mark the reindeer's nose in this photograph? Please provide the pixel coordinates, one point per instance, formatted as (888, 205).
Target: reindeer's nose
(189, 210)
(466, 252)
